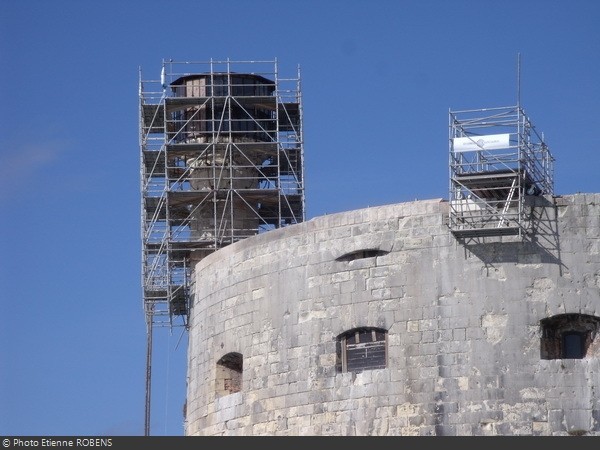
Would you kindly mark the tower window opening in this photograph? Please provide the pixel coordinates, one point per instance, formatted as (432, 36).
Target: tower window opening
(361, 254)
(568, 336)
(229, 374)
(362, 349)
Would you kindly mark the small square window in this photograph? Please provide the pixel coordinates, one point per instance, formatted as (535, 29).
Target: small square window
(568, 336)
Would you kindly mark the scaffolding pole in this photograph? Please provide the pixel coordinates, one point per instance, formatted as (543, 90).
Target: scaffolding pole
(148, 398)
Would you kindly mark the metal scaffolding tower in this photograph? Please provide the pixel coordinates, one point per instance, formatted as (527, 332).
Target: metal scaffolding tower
(497, 159)
(221, 160)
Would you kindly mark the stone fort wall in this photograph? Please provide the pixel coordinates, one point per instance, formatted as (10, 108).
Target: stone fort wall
(463, 345)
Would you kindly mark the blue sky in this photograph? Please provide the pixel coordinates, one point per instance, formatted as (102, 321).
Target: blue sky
(378, 79)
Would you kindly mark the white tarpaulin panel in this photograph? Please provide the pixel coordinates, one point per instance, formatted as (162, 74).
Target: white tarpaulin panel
(489, 142)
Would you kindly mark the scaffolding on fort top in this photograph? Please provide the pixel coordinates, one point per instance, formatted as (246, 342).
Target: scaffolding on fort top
(497, 160)
(221, 159)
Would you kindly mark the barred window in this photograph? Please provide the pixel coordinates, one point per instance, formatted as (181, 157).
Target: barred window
(362, 349)
(229, 374)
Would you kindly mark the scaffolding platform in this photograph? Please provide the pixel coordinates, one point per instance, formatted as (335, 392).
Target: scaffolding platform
(497, 159)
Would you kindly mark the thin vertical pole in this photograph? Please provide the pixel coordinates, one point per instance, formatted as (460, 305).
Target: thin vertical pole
(520, 204)
(148, 378)
(518, 80)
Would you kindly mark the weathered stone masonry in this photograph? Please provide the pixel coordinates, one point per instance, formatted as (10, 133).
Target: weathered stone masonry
(463, 323)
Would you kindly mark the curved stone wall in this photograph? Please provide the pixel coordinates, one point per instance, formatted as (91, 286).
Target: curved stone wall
(462, 319)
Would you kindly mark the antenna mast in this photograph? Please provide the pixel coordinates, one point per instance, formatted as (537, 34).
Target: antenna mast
(518, 80)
